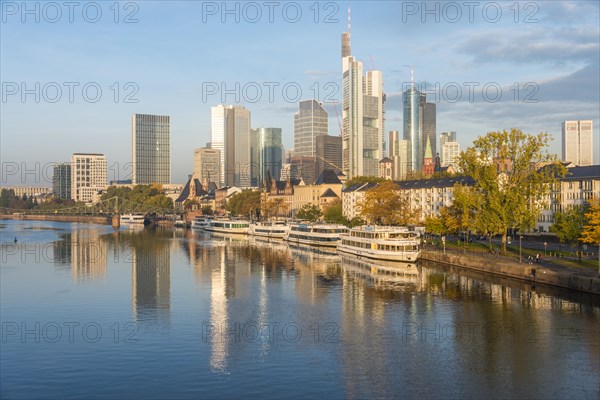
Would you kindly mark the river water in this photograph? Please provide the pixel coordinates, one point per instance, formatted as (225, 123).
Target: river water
(87, 311)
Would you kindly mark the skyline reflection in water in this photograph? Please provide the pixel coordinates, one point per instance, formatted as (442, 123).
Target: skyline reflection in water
(232, 316)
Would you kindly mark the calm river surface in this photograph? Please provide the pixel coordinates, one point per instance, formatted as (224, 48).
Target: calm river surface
(161, 313)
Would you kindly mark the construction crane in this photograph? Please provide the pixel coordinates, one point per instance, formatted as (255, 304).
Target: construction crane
(330, 163)
(335, 103)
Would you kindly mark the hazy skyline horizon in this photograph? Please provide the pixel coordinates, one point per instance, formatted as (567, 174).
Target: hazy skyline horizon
(547, 60)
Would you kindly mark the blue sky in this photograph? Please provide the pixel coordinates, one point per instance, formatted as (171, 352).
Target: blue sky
(176, 50)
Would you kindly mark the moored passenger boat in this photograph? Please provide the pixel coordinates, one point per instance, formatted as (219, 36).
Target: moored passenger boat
(200, 223)
(272, 230)
(315, 234)
(228, 226)
(382, 243)
(137, 219)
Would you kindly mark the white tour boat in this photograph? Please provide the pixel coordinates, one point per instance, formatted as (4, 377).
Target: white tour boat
(200, 222)
(137, 219)
(228, 226)
(315, 234)
(382, 243)
(272, 230)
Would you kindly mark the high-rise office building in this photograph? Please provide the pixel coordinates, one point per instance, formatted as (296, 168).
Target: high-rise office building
(428, 111)
(230, 134)
(310, 122)
(362, 115)
(88, 175)
(399, 152)
(304, 168)
(151, 144)
(61, 181)
(577, 142)
(329, 154)
(419, 124)
(265, 154)
(445, 137)
(450, 154)
(413, 125)
(207, 164)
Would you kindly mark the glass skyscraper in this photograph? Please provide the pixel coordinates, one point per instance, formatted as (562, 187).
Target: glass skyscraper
(266, 151)
(419, 125)
(61, 181)
(151, 143)
(413, 126)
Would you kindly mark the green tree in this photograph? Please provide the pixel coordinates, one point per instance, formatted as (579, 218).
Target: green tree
(568, 226)
(356, 221)
(245, 203)
(437, 224)
(384, 204)
(4, 198)
(333, 213)
(591, 230)
(140, 198)
(309, 212)
(513, 173)
(207, 210)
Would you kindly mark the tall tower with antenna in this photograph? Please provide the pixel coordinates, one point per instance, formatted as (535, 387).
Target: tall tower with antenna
(362, 114)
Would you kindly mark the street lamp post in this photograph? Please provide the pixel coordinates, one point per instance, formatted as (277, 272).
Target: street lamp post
(545, 247)
(520, 237)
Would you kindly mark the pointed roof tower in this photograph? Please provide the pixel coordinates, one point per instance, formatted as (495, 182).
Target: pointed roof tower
(428, 153)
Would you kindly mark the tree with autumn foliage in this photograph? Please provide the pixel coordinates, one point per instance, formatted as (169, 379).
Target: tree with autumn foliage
(513, 173)
(385, 204)
(591, 230)
(569, 224)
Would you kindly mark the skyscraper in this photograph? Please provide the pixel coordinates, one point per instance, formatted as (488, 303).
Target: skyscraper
(577, 142)
(151, 144)
(88, 175)
(362, 115)
(310, 122)
(61, 181)
(329, 154)
(230, 134)
(419, 123)
(207, 164)
(399, 153)
(446, 137)
(428, 111)
(265, 154)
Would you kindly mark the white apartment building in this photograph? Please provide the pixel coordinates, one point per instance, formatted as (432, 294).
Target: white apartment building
(427, 196)
(576, 188)
(352, 197)
(88, 176)
(450, 154)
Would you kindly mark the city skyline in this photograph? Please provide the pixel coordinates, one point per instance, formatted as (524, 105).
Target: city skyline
(64, 121)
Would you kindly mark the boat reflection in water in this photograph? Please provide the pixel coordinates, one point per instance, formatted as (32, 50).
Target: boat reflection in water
(382, 273)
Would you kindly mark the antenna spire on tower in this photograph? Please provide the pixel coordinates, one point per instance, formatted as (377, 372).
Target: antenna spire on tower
(412, 76)
(349, 25)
